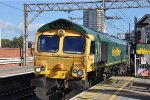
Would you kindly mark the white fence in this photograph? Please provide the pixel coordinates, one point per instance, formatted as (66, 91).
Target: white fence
(13, 60)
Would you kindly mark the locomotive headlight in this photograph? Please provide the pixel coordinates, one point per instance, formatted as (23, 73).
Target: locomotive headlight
(74, 70)
(80, 72)
(61, 32)
(37, 69)
(42, 68)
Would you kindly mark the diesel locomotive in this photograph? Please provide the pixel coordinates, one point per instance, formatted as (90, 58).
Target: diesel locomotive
(71, 56)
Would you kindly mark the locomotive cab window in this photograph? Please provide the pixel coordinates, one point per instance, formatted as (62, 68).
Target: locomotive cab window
(74, 44)
(92, 47)
(48, 43)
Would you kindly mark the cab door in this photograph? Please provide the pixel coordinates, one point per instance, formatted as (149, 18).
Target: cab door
(91, 56)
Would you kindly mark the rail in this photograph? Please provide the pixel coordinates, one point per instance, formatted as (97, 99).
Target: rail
(18, 94)
(17, 87)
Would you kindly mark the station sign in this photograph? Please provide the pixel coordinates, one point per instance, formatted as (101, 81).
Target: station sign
(143, 49)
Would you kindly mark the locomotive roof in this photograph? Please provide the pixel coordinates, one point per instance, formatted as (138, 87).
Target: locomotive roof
(63, 23)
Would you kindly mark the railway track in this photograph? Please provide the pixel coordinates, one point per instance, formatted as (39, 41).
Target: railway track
(28, 93)
(18, 94)
(20, 88)
(17, 87)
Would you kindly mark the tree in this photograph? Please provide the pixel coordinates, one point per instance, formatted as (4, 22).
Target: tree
(15, 43)
(6, 43)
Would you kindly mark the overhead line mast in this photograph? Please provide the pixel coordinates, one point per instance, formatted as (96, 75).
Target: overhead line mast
(70, 6)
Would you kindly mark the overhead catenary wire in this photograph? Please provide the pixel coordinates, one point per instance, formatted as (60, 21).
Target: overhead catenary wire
(125, 18)
(40, 16)
(125, 15)
(114, 26)
(19, 9)
(110, 24)
(127, 21)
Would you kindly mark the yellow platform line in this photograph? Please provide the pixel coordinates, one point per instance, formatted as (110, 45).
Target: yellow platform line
(82, 95)
(121, 88)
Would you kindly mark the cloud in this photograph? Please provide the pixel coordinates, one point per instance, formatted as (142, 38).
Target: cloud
(10, 30)
(6, 25)
(32, 28)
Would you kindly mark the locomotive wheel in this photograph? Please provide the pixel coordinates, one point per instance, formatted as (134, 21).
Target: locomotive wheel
(91, 82)
(60, 95)
(104, 76)
(85, 84)
(42, 93)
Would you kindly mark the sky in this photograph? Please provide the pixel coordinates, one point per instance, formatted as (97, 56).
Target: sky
(12, 19)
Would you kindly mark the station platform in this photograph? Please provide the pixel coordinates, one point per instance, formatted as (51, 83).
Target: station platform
(118, 88)
(14, 71)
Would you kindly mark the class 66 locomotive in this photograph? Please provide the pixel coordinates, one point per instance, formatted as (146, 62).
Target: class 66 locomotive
(71, 56)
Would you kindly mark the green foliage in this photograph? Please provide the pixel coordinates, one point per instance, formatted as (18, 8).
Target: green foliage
(18, 42)
(6, 43)
(15, 43)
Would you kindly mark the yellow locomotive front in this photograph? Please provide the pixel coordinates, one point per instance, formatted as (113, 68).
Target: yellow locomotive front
(60, 53)
(61, 57)
(70, 56)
